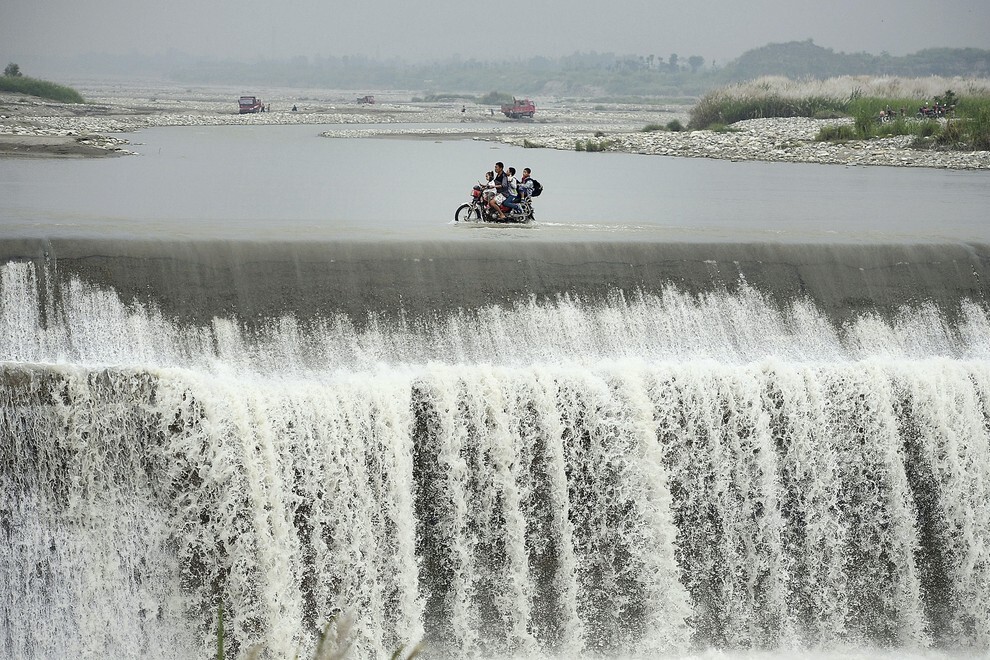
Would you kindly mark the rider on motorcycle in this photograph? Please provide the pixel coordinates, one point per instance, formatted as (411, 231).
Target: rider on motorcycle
(501, 189)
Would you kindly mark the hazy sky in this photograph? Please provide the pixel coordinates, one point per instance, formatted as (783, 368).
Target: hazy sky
(432, 29)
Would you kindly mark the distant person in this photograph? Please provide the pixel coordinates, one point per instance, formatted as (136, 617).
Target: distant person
(294, 108)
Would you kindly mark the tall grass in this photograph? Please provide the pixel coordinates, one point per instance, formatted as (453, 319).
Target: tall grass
(776, 96)
(720, 107)
(673, 125)
(39, 88)
(980, 127)
(862, 98)
(959, 133)
(593, 145)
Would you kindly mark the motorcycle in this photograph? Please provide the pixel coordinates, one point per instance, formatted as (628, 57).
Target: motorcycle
(478, 210)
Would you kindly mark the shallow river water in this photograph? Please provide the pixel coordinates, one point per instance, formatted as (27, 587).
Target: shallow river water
(287, 183)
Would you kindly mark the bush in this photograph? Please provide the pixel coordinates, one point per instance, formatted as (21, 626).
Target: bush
(979, 129)
(40, 88)
(928, 128)
(721, 107)
(593, 145)
(865, 125)
(952, 135)
(495, 98)
(672, 125)
(527, 144)
(836, 133)
(899, 126)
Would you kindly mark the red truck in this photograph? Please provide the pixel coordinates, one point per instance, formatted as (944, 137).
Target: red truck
(518, 108)
(248, 104)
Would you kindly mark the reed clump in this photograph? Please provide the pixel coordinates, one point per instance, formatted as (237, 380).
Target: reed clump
(843, 96)
(40, 88)
(732, 104)
(836, 133)
(879, 107)
(593, 145)
(967, 130)
(674, 126)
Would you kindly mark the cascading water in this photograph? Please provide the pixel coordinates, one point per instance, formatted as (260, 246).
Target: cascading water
(653, 473)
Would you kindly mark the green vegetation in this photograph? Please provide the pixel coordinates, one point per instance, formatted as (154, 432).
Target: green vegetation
(967, 126)
(595, 76)
(441, 98)
(495, 98)
(805, 59)
(673, 125)
(593, 145)
(13, 80)
(967, 129)
(830, 98)
(722, 108)
(836, 133)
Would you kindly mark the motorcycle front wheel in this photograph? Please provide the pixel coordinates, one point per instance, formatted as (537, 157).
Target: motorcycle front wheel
(466, 213)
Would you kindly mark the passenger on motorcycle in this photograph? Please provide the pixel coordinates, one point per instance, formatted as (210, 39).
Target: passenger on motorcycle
(488, 190)
(501, 189)
(526, 184)
(512, 191)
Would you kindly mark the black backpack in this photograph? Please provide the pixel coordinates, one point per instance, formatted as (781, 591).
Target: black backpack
(537, 187)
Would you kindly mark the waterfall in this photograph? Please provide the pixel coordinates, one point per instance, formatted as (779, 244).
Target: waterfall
(659, 470)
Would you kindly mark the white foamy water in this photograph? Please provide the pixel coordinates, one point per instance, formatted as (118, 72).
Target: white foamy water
(658, 475)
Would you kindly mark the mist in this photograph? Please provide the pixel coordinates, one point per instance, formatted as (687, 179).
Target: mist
(246, 30)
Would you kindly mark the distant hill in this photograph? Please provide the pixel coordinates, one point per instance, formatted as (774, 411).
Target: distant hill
(805, 59)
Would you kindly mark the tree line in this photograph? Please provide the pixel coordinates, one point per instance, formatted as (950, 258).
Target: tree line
(588, 74)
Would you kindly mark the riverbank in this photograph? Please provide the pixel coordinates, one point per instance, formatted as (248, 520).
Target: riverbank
(35, 128)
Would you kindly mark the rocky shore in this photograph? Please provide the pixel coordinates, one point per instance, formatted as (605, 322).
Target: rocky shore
(30, 127)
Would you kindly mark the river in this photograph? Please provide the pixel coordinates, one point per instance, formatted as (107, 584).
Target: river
(699, 408)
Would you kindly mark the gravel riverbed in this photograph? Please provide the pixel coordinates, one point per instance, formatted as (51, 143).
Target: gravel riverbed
(30, 127)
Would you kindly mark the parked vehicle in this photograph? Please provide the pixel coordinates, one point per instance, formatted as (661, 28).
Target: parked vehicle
(478, 210)
(519, 108)
(247, 104)
(935, 111)
(367, 98)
